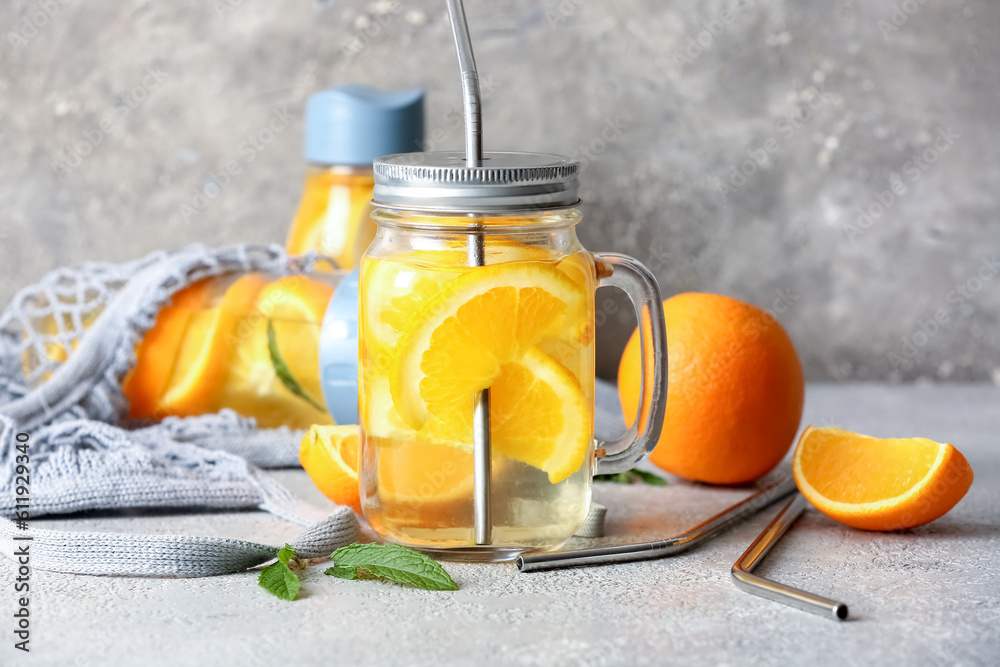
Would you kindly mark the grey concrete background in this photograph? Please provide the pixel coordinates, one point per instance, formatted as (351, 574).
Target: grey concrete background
(836, 99)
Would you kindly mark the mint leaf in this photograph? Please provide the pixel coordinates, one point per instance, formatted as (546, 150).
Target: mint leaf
(649, 478)
(278, 579)
(286, 553)
(634, 476)
(342, 572)
(282, 371)
(390, 562)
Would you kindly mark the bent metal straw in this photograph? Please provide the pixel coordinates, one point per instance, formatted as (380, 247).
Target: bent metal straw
(744, 578)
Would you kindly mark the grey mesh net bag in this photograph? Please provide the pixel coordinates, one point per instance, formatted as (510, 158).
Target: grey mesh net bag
(66, 345)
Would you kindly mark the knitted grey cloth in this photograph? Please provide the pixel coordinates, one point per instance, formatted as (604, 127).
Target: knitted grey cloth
(83, 457)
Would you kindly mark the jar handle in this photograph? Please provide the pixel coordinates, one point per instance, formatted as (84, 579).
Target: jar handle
(630, 276)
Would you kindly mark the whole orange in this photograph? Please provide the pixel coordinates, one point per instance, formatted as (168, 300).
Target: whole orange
(735, 390)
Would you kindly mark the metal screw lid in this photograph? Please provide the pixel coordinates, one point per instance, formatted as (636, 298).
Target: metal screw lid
(505, 182)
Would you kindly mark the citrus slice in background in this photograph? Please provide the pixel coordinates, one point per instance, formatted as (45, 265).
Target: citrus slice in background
(876, 484)
(202, 357)
(329, 455)
(331, 197)
(296, 305)
(157, 353)
(293, 306)
(457, 344)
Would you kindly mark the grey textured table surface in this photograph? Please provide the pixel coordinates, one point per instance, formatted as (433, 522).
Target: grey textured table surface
(928, 596)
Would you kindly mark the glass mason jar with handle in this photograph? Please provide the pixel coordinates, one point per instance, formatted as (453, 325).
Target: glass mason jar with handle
(476, 328)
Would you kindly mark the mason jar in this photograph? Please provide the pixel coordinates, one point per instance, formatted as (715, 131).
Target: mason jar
(476, 355)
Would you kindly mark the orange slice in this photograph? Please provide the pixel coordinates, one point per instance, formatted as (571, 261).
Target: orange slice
(876, 484)
(203, 354)
(415, 473)
(156, 355)
(329, 455)
(396, 289)
(334, 218)
(294, 306)
(539, 415)
(458, 343)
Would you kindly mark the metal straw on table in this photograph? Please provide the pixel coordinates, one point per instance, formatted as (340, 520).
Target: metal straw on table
(472, 104)
(769, 494)
(772, 590)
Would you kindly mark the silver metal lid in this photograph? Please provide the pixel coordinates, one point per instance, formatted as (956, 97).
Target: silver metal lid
(506, 182)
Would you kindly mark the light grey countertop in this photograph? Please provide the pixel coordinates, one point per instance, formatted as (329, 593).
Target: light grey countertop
(927, 596)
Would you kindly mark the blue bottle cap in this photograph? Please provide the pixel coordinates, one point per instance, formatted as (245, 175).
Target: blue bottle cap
(354, 124)
(338, 352)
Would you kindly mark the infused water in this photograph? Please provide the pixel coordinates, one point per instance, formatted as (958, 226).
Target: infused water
(433, 333)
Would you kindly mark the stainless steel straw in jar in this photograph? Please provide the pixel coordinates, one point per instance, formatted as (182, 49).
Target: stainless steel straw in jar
(472, 103)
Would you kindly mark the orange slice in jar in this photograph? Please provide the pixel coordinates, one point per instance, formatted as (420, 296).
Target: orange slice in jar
(480, 332)
(538, 415)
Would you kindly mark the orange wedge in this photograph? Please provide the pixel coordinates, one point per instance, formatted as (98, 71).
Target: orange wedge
(876, 484)
(329, 455)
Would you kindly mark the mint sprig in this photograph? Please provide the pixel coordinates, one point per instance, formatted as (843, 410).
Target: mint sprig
(634, 476)
(390, 562)
(283, 372)
(387, 562)
(278, 578)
